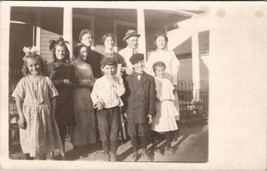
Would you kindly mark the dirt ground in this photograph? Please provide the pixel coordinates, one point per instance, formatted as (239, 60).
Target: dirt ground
(191, 146)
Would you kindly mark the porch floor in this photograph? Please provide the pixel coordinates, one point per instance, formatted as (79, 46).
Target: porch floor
(191, 146)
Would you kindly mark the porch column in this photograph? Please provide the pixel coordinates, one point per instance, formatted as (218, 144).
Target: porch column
(195, 65)
(5, 35)
(38, 30)
(67, 27)
(141, 29)
(166, 31)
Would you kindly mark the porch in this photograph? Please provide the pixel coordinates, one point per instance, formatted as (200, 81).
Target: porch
(185, 147)
(41, 24)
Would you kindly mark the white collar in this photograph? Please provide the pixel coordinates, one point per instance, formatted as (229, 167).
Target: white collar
(130, 49)
(107, 51)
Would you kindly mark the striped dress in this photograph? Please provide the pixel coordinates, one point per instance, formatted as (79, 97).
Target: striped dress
(41, 135)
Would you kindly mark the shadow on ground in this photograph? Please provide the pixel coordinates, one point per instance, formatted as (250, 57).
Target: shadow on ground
(191, 145)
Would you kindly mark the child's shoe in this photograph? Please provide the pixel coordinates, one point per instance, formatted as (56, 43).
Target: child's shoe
(156, 151)
(135, 155)
(106, 157)
(113, 157)
(62, 155)
(145, 155)
(169, 151)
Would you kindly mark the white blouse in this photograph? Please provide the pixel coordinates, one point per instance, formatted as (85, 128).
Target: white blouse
(171, 62)
(108, 92)
(127, 53)
(164, 89)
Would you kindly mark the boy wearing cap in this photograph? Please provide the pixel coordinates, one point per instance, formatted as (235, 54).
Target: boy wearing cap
(140, 88)
(131, 38)
(106, 99)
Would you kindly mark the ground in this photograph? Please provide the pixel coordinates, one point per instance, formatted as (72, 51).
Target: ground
(191, 146)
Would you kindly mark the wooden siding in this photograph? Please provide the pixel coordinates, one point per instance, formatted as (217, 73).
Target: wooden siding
(44, 44)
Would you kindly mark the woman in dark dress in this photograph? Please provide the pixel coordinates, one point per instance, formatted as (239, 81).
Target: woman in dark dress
(62, 73)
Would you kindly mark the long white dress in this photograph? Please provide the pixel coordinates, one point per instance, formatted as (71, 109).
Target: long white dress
(171, 72)
(164, 120)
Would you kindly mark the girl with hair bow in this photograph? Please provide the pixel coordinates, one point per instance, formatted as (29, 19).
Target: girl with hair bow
(35, 100)
(62, 73)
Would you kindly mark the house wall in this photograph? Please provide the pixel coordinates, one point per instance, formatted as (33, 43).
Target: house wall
(51, 29)
(186, 71)
(45, 36)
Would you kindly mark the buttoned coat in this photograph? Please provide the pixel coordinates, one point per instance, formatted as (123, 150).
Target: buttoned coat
(141, 97)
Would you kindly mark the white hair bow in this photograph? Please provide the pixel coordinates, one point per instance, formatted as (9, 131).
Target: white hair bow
(29, 50)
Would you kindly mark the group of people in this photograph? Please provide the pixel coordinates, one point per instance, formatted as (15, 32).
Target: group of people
(90, 91)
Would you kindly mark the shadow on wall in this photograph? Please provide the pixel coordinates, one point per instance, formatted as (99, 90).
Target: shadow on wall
(187, 75)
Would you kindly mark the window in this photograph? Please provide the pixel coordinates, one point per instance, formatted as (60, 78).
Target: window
(120, 28)
(81, 22)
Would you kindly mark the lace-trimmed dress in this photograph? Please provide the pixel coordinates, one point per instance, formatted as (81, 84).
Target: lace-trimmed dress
(171, 72)
(166, 112)
(41, 136)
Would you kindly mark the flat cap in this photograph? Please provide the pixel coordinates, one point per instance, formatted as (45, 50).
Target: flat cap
(136, 58)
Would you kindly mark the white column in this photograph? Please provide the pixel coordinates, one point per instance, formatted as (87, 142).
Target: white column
(115, 37)
(141, 29)
(195, 66)
(4, 35)
(38, 29)
(166, 31)
(67, 27)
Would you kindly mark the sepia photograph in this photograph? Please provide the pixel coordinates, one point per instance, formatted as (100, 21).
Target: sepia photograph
(135, 84)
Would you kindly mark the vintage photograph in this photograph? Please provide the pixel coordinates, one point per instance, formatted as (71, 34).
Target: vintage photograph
(75, 91)
(135, 85)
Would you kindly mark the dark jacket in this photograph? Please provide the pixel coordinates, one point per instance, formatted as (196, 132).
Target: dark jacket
(58, 71)
(94, 58)
(141, 97)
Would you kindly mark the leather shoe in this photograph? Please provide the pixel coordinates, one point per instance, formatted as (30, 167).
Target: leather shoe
(135, 155)
(146, 156)
(113, 157)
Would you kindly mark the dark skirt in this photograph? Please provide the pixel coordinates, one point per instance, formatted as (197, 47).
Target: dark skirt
(65, 111)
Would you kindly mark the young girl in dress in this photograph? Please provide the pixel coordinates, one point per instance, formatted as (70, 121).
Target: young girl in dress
(63, 76)
(164, 120)
(35, 99)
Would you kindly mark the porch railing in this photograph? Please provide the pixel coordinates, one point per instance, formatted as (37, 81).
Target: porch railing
(193, 110)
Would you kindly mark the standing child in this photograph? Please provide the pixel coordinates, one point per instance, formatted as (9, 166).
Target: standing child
(106, 98)
(63, 77)
(35, 99)
(164, 120)
(140, 88)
